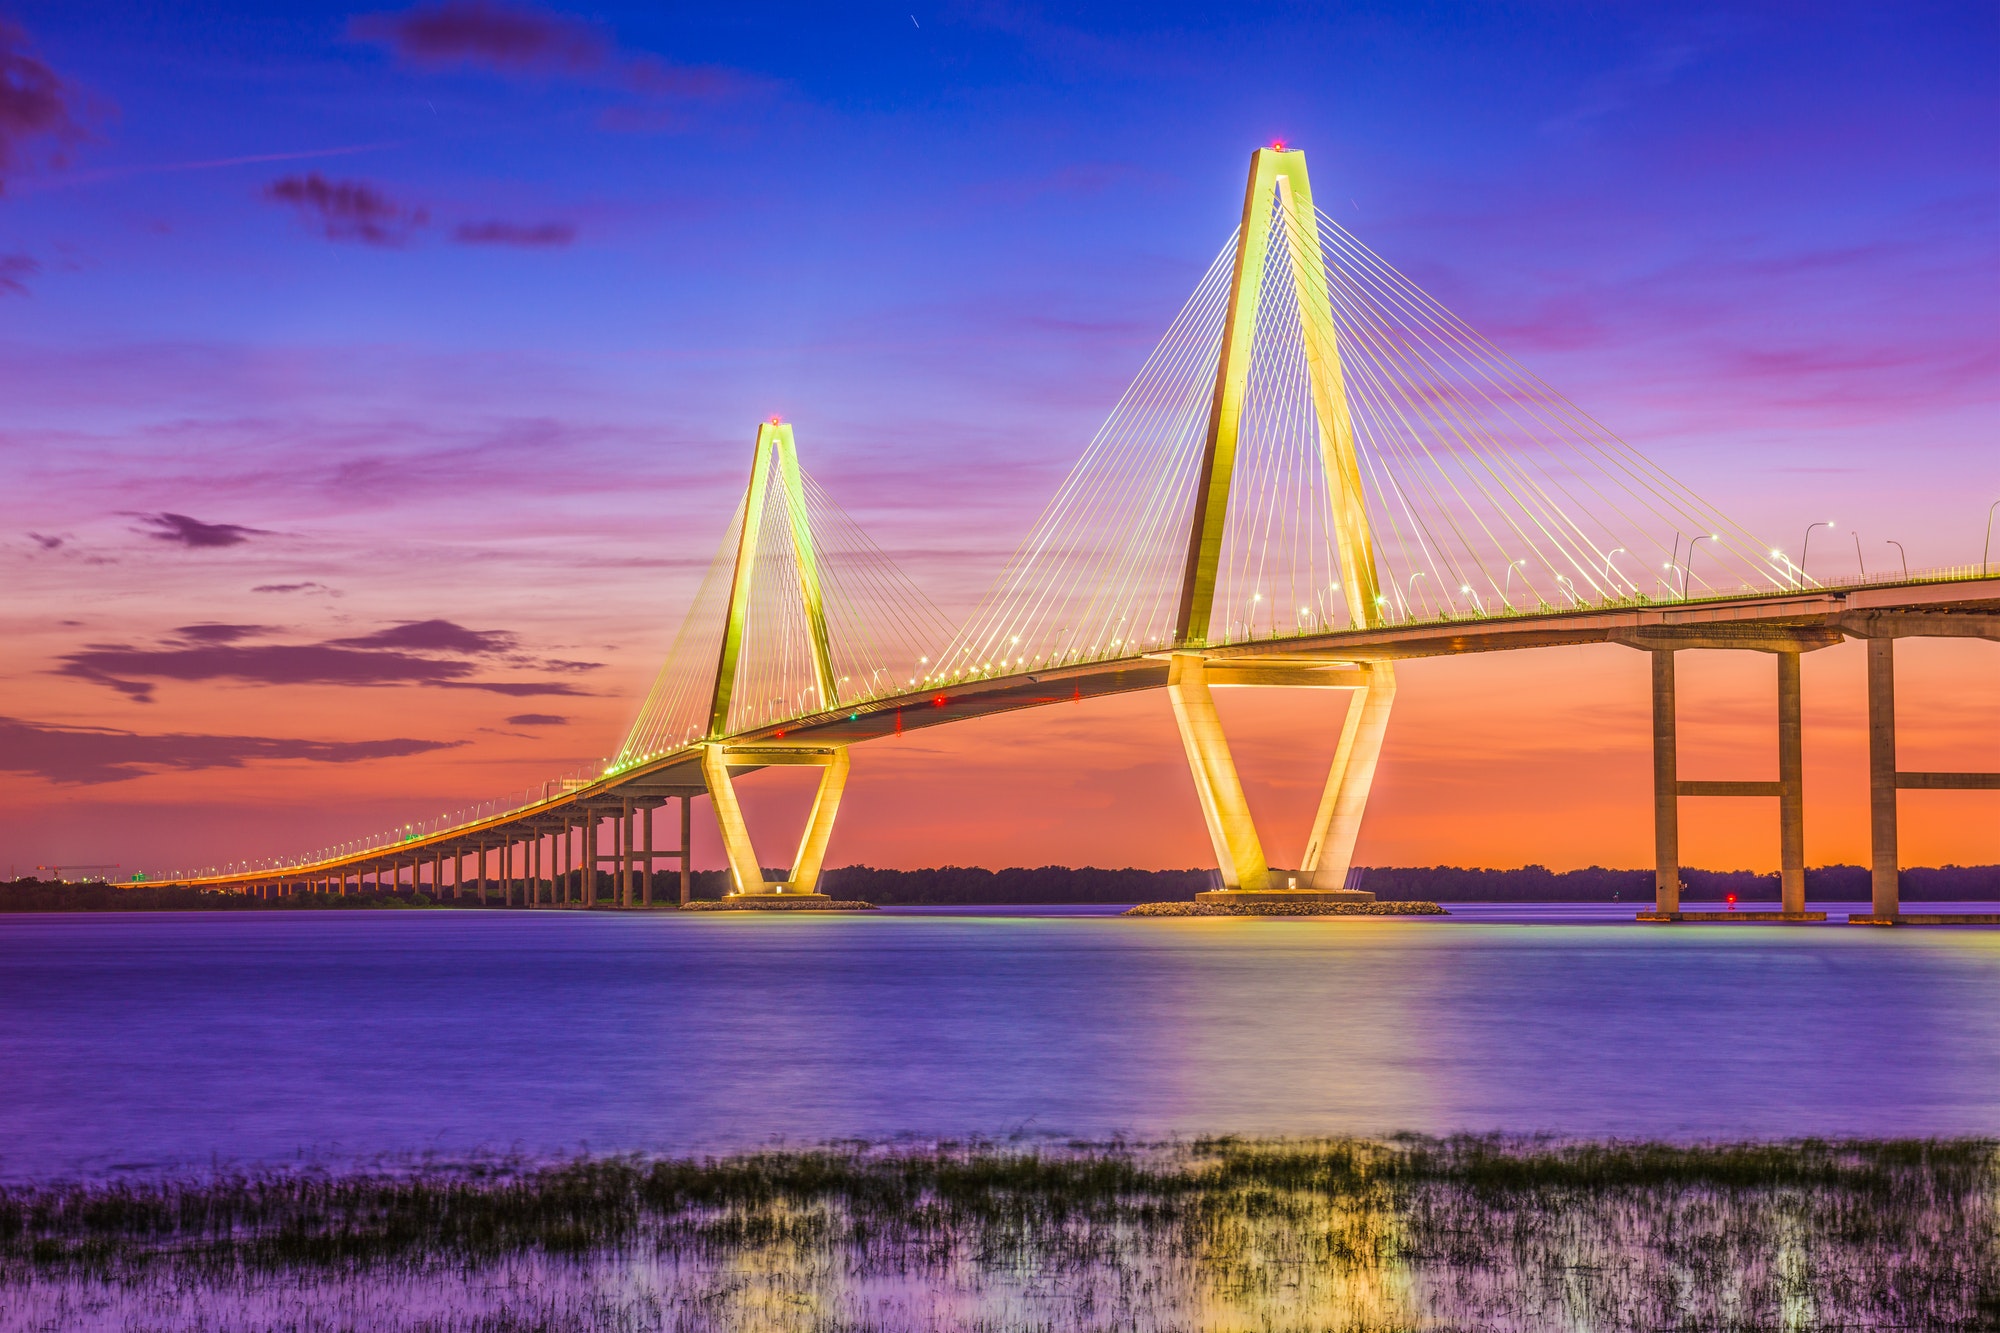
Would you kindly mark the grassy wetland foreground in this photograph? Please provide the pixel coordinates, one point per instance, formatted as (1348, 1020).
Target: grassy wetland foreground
(1211, 1235)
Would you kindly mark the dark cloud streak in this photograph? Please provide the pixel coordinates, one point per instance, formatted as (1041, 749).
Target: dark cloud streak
(398, 655)
(88, 756)
(185, 531)
(37, 107)
(434, 636)
(347, 210)
(212, 633)
(510, 38)
(521, 40)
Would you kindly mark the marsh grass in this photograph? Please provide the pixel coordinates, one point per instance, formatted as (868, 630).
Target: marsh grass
(1406, 1233)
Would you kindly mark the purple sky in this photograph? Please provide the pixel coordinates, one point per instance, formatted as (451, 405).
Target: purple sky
(319, 323)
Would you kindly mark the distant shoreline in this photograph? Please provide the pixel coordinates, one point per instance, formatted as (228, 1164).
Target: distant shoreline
(1053, 886)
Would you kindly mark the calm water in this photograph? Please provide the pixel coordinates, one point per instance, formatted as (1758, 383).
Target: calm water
(152, 1041)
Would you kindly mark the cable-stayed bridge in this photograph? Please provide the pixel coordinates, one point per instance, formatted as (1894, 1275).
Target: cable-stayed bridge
(1319, 471)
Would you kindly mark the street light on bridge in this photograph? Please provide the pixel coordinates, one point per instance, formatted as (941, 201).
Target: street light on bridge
(1805, 547)
(1687, 566)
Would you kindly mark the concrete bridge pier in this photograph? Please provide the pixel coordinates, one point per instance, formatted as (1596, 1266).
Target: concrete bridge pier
(1886, 781)
(746, 872)
(1786, 644)
(1239, 850)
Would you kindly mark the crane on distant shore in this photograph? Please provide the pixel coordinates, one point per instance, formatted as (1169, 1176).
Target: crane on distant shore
(57, 871)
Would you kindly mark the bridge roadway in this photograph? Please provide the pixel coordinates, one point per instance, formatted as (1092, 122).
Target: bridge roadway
(1963, 604)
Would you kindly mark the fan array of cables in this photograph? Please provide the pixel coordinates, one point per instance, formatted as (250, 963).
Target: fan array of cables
(881, 633)
(1487, 493)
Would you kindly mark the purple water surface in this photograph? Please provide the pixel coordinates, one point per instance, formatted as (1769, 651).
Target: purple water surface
(180, 1040)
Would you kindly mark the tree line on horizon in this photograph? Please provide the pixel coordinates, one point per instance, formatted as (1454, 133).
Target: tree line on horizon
(970, 886)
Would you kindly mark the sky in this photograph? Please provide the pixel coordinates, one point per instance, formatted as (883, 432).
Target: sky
(375, 384)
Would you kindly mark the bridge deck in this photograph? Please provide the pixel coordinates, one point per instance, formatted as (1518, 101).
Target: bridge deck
(1788, 620)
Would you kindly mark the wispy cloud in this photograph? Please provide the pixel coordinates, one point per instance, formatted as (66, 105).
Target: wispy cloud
(307, 587)
(524, 41)
(14, 268)
(89, 756)
(39, 109)
(434, 653)
(511, 38)
(347, 210)
(181, 530)
(214, 633)
(117, 173)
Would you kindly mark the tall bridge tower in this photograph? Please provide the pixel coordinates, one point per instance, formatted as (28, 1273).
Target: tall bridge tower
(1278, 212)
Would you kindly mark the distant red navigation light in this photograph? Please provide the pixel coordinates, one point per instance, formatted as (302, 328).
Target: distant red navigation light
(1731, 900)
(1278, 144)
(777, 421)
(938, 701)
(781, 733)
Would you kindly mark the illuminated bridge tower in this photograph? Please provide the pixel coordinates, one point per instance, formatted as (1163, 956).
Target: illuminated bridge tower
(1278, 209)
(776, 461)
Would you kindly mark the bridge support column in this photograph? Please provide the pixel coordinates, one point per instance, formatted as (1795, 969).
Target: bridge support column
(623, 885)
(646, 884)
(1791, 791)
(1666, 791)
(1231, 831)
(1885, 780)
(811, 858)
(1337, 825)
(687, 849)
(1885, 870)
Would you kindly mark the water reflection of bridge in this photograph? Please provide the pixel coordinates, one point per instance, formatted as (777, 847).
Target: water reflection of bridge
(1319, 471)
